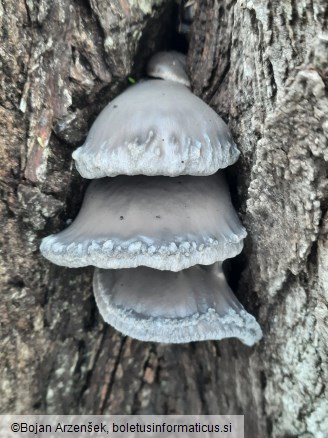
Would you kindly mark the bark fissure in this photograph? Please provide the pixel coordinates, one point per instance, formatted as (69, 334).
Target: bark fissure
(111, 381)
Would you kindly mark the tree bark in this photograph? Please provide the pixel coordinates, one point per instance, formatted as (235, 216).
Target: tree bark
(262, 65)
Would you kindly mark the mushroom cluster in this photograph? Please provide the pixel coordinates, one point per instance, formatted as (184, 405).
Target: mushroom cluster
(157, 221)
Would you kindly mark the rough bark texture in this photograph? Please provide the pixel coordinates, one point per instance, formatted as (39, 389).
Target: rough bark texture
(262, 65)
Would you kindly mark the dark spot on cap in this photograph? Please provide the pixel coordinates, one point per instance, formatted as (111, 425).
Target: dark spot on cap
(121, 217)
(157, 217)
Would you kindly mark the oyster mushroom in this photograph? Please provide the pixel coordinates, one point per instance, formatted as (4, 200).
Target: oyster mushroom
(195, 304)
(156, 127)
(170, 66)
(159, 222)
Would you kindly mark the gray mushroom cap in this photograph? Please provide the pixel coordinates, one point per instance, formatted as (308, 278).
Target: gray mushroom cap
(156, 128)
(159, 222)
(170, 66)
(195, 304)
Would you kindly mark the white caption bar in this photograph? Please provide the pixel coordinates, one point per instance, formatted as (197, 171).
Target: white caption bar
(121, 426)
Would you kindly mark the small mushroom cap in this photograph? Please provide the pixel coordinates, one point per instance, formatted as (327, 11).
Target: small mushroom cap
(156, 128)
(170, 66)
(195, 304)
(160, 222)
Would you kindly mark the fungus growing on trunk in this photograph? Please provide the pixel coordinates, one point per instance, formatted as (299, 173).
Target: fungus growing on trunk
(160, 222)
(170, 66)
(156, 127)
(195, 304)
(163, 229)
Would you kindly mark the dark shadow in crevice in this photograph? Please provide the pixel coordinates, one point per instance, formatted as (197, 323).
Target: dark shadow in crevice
(234, 267)
(161, 33)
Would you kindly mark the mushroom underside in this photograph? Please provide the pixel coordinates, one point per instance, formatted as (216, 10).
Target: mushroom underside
(161, 306)
(159, 222)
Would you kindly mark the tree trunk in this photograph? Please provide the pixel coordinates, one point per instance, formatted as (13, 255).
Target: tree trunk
(262, 65)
